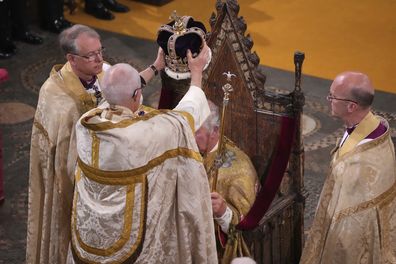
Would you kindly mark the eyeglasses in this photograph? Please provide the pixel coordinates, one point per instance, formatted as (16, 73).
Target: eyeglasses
(92, 55)
(330, 97)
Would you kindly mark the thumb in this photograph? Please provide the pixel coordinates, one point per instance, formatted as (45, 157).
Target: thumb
(189, 55)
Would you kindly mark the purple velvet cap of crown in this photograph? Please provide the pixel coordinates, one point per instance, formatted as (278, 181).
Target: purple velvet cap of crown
(175, 41)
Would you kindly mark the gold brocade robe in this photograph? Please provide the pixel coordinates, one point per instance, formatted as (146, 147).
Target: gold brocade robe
(237, 183)
(142, 194)
(355, 221)
(53, 157)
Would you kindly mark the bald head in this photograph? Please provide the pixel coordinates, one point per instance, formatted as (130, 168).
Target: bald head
(119, 83)
(356, 86)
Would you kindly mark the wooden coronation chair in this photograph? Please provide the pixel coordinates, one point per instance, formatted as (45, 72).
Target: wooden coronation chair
(266, 125)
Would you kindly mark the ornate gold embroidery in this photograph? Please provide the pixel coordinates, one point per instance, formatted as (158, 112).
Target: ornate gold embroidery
(189, 118)
(40, 127)
(109, 125)
(380, 200)
(125, 177)
(127, 227)
(95, 150)
(363, 147)
(363, 129)
(127, 122)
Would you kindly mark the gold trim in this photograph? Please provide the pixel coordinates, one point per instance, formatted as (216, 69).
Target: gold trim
(147, 109)
(131, 176)
(127, 228)
(386, 235)
(189, 118)
(77, 176)
(41, 128)
(381, 200)
(122, 124)
(73, 87)
(95, 150)
(130, 121)
(363, 147)
(363, 129)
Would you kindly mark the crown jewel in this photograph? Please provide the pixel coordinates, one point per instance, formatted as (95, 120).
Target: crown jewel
(175, 38)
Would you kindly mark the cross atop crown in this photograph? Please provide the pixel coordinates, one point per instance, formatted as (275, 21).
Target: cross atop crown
(178, 26)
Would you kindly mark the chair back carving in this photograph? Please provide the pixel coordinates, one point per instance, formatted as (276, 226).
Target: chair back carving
(255, 121)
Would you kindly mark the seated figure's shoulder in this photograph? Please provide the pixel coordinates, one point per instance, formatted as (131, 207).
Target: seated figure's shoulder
(231, 146)
(240, 159)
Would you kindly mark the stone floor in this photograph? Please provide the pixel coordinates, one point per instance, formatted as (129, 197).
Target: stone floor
(30, 68)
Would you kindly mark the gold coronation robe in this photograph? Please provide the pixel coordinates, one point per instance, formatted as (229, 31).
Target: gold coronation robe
(142, 194)
(53, 157)
(237, 182)
(355, 221)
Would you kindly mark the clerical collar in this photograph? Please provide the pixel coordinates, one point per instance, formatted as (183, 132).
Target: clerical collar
(89, 84)
(349, 130)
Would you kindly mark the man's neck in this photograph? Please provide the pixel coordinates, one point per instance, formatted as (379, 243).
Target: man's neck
(82, 76)
(356, 118)
(86, 78)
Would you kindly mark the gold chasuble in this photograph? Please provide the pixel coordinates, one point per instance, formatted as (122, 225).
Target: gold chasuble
(355, 221)
(237, 183)
(53, 157)
(141, 191)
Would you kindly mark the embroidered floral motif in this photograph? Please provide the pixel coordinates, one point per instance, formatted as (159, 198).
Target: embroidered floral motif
(229, 157)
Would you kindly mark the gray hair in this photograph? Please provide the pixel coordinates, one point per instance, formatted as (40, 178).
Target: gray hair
(68, 37)
(119, 83)
(213, 120)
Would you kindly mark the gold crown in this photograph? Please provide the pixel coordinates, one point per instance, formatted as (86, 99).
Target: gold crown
(170, 34)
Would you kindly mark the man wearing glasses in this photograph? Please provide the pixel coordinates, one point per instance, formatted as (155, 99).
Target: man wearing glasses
(141, 190)
(71, 90)
(355, 221)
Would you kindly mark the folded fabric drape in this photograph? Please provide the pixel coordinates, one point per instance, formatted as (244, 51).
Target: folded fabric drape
(271, 182)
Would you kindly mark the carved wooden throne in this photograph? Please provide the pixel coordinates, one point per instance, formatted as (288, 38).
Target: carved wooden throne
(265, 125)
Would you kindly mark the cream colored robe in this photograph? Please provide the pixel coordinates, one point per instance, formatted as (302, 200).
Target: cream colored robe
(141, 190)
(53, 156)
(355, 221)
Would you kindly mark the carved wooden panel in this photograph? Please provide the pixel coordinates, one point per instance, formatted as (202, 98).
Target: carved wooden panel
(253, 122)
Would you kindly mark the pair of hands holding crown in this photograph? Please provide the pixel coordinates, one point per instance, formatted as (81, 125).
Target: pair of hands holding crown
(196, 65)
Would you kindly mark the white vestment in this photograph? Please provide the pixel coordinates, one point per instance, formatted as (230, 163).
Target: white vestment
(141, 192)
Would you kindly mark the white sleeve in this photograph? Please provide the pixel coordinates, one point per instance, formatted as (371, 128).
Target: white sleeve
(105, 66)
(224, 220)
(195, 103)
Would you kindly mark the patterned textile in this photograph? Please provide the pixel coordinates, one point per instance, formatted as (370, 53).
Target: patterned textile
(237, 182)
(53, 157)
(356, 218)
(141, 193)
